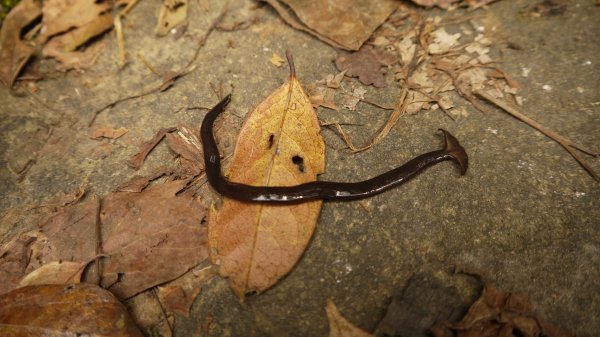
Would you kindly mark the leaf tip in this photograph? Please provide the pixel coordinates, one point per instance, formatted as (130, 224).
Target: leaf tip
(290, 60)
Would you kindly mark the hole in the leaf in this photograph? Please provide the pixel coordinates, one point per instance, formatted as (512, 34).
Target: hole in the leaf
(177, 6)
(251, 293)
(298, 161)
(271, 140)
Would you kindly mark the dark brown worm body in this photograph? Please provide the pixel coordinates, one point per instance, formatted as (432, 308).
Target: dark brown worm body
(325, 190)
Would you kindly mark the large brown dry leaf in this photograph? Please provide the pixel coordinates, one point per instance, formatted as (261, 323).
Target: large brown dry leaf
(339, 325)
(64, 310)
(72, 233)
(279, 145)
(150, 238)
(14, 52)
(345, 24)
(68, 24)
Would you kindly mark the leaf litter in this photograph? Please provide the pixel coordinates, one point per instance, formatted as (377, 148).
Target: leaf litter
(140, 241)
(493, 314)
(434, 60)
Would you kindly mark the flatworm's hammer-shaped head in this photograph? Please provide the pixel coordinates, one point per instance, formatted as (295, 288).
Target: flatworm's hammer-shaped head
(456, 151)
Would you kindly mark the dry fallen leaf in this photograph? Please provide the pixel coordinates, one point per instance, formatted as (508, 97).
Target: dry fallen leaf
(277, 61)
(279, 144)
(68, 24)
(14, 52)
(172, 13)
(339, 325)
(345, 24)
(64, 311)
(364, 64)
(144, 233)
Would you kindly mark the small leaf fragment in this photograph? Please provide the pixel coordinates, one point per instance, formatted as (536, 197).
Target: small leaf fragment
(339, 326)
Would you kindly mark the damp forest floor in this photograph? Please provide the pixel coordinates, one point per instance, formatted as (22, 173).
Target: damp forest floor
(526, 214)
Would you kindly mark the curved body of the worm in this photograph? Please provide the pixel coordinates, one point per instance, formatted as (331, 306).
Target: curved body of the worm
(325, 190)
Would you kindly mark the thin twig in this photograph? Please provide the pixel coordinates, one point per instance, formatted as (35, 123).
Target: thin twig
(167, 82)
(563, 141)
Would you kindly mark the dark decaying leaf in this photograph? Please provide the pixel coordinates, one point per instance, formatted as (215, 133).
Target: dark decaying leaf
(150, 237)
(64, 310)
(364, 64)
(14, 52)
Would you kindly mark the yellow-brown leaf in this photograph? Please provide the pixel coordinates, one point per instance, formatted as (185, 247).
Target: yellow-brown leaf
(339, 326)
(255, 245)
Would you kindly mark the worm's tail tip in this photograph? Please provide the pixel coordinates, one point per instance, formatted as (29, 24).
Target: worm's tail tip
(456, 151)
